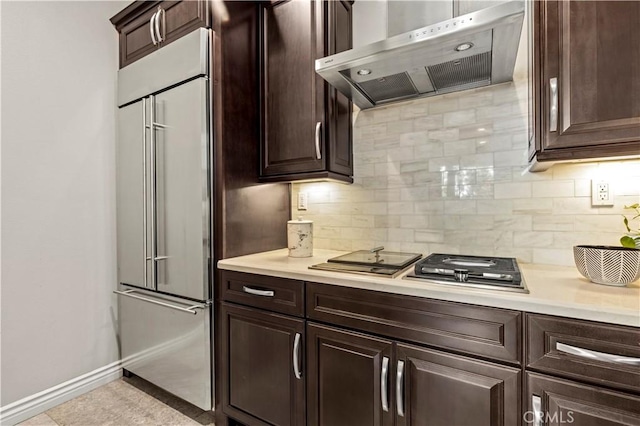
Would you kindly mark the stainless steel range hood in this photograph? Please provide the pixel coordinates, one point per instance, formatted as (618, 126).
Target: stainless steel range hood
(467, 51)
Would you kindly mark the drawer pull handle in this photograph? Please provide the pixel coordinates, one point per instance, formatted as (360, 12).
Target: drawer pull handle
(384, 376)
(134, 295)
(536, 404)
(399, 396)
(256, 292)
(598, 356)
(296, 356)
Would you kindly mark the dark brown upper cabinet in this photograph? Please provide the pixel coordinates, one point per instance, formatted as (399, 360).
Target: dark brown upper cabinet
(145, 26)
(586, 80)
(306, 130)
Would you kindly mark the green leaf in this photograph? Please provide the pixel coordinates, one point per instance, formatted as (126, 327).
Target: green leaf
(626, 224)
(632, 206)
(627, 241)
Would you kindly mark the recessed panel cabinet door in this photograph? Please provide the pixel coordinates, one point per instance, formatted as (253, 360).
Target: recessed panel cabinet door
(437, 388)
(263, 371)
(349, 378)
(181, 181)
(589, 66)
(292, 102)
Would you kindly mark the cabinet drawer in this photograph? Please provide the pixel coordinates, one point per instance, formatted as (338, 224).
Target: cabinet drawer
(593, 352)
(275, 294)
(487, 332)
(563, 402)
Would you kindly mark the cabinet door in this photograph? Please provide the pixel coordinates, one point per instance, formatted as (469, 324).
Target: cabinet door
(437, 388)
(339, 135)
(182, 17)
(261, 352)
(292, 93)
(564, 402)
(135, 38)
(590, 51)
(349, 376)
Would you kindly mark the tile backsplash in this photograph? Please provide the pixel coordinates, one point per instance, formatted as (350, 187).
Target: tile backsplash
(448, 174)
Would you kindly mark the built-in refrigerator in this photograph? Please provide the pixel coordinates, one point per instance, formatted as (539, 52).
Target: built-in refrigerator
(164, 218)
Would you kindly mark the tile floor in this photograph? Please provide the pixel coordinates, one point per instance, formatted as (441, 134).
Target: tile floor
(127, 401)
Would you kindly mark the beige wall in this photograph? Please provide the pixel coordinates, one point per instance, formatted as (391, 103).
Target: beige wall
(59, 63)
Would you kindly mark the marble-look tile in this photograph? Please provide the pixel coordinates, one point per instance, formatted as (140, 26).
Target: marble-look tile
(553, 188)
(39, 420)
(512, 190)
(428, 164)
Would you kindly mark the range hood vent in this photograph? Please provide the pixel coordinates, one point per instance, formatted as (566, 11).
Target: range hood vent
(468, 51)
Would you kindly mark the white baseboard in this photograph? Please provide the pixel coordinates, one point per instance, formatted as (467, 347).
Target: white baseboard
(35, 404)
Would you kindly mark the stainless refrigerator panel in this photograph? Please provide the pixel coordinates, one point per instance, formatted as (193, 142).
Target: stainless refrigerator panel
(178, 61)
(130, 188)
(182, 188)
(168, 347)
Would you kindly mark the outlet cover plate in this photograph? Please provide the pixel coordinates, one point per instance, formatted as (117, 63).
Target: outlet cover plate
(601, 193)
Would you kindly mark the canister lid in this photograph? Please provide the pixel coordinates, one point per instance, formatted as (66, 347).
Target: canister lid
(299, 221)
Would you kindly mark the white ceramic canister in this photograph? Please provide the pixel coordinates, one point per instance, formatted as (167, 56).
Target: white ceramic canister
(300, 238)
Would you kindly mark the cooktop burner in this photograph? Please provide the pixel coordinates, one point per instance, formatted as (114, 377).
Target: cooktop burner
(499, 273)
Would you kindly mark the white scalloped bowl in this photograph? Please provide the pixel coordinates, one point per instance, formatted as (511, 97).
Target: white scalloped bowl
(608, 265)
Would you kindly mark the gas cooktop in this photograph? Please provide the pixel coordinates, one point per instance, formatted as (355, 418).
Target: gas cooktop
(495, 273)
(370, 262)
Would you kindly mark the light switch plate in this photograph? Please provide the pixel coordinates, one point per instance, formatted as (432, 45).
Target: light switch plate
(303, 199)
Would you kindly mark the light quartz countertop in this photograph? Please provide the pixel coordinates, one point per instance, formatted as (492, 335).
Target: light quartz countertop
(553, 290)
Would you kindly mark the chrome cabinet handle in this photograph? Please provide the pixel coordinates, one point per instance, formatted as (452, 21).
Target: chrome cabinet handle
(595, 355)
(536, 404)
(296, 356)
(318, 153)
(384, 376)
(134, 295)
(158, 32)
(553, 111)
(399, 396)
(256, 292)
(151, 28)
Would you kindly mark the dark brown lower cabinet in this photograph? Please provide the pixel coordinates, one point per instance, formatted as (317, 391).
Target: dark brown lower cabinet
(345, 373)
(356, 379)
(262, 352)
(438, 388)
(566, 402)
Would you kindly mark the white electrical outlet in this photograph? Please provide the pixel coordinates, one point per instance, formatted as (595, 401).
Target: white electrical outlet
(303, 198)
(601, 193)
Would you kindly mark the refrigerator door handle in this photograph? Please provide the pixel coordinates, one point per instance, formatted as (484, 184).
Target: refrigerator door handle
(189, 309)
(152, 131)
(145, 248)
